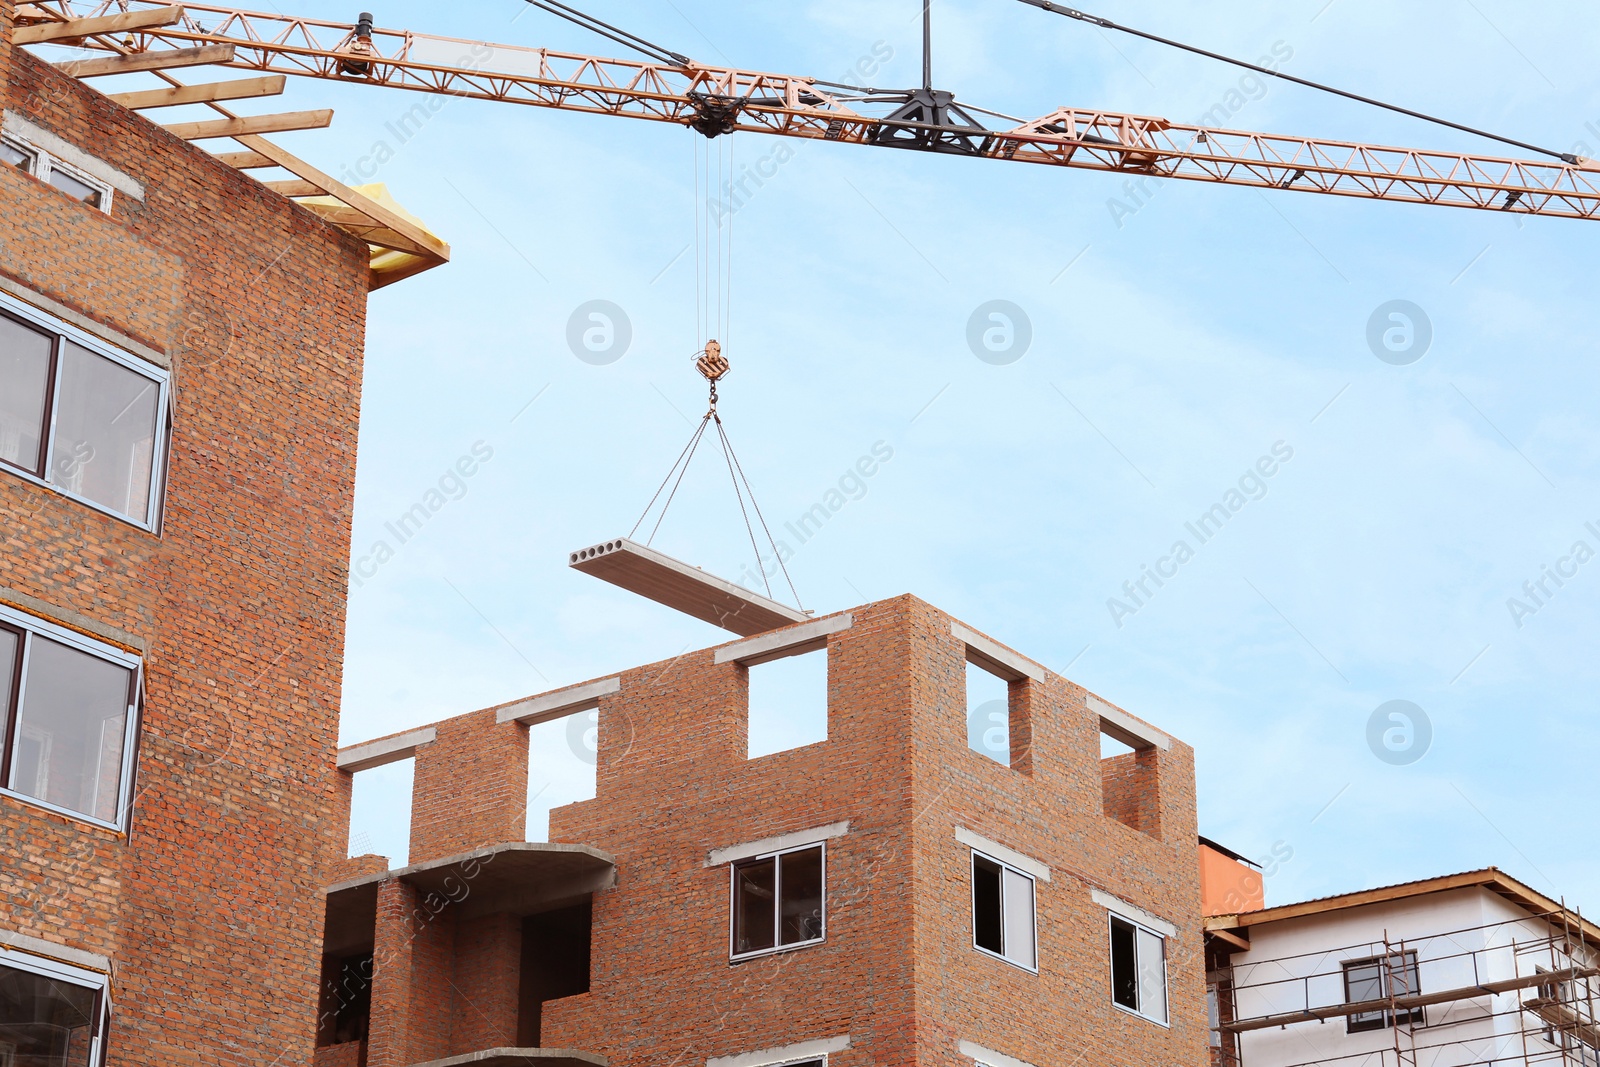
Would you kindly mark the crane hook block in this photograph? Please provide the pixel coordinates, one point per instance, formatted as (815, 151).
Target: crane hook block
(712, 364)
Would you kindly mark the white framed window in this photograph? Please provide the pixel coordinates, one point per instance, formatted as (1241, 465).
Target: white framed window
(1138, 969)
(1004, 912)
(778, 901)
(51, 1013)
(13, 154)
(34, 160)
(68, 720)
(82, 417)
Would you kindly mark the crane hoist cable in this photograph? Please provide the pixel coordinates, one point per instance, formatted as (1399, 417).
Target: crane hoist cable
(1107, 24)
(605, 29)
(714, 178)
(714, 366)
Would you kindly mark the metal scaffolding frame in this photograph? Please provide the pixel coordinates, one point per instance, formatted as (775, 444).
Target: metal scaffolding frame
(1551, 998)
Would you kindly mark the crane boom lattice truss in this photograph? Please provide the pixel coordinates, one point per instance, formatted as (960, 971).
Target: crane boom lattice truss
(717, 100)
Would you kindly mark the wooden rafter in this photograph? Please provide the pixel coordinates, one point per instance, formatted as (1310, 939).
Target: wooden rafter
(294, 187)
(245, 160)
(76, 29)
(237, 127)
(399, 247)
(239, 89)
(376, 214)
(164, 59)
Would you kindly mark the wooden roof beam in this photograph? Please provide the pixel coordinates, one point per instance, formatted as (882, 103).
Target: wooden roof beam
(244, 160)
(376, 212)
(252, 124)
(165, 59)
(294, 187)
(75, 29)
(239, 89)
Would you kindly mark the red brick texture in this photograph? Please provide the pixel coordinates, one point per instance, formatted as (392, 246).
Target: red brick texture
(897, 971)
(211, 911)
(346, 1055)
(1130, 786)
(470, 787)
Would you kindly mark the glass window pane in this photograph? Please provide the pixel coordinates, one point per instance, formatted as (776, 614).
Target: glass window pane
(1363, 981)
(988, 924)
(13, 156)
(44, 1022)
(801, 904)
(73, 187)
(105, 432)
(1019, 918)
(754, 893)
(10, 645)
(24, 393)
(69, 737)
(1124, 965)
(1403, 972)
(1152, 976)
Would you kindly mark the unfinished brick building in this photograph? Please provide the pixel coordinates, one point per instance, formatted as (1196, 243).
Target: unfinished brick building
(180, 374)
(886, 896)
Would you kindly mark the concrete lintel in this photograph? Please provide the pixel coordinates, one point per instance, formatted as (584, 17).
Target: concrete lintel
(989, 1057)
(71, 154)
(41, 615)
(1121, 907)
(783, 1054)
(34, 946)
(561, 703)
(385, 750)
(1125, 728)
(793, 641)
(657, 576)
(516, 1057)
(719, 856)
(995, 850)
(995, 658)
(82, 322)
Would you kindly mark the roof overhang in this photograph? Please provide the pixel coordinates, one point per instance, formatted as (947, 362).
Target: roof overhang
(519, 878)
(1491, 879)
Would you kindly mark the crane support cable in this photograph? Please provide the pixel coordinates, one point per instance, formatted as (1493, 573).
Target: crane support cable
(734, 464)
(605, 29)
(683, 461)
(1107, 24)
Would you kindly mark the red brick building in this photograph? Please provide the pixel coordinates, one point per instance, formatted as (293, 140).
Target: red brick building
(886, 896)
(180, 376)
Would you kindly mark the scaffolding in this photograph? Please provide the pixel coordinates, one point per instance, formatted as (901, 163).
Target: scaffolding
(1522, 992)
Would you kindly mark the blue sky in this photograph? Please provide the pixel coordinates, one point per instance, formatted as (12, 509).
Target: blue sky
(1177, 341)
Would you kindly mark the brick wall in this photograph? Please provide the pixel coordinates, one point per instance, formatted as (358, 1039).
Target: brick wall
(470, 787)
(1053, 812)
(1130, 789)
(212, 910)
(898, 972)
